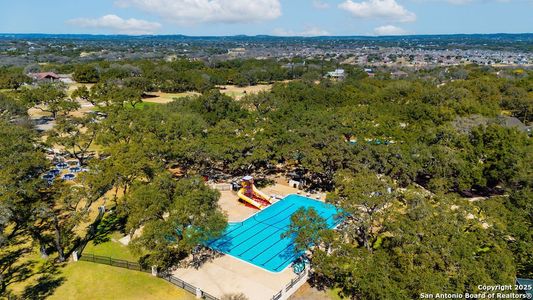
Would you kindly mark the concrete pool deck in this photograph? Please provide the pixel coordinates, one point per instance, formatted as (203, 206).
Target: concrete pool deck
(228, 275)
(237, 211)
(259, 240)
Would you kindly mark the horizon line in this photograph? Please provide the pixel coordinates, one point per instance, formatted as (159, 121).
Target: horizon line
(261, 35)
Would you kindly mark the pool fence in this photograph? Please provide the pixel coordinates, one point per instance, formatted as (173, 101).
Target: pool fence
(293, 286)
(283, 294)
(106, 260)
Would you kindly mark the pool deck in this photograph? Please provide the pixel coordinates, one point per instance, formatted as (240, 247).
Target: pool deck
(229, 275)
(237, 212)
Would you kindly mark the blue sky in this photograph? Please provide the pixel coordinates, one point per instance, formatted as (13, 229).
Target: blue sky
(274, 17)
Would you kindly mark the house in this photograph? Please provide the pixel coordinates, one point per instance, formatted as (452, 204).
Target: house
(337, 74)
(369, 72)
(45, 77)
(66, 78)
(296, 184)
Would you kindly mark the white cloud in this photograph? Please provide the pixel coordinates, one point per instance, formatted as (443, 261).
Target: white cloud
(203, 11)
(318, 4)
(309, 31)
(379, 9)
(117, 25)
(389, 30)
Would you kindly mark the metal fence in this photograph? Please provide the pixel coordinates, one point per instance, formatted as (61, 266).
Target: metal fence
(277, 296)
(296, 280)
(106, 260)
(188, 287)
(289, 286)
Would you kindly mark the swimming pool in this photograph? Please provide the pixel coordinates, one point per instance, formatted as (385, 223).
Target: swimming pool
(257, 240)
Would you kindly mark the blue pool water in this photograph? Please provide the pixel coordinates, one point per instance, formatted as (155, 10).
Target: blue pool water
(257, 239)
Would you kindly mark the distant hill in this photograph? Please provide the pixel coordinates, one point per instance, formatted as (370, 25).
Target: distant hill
(513, 37)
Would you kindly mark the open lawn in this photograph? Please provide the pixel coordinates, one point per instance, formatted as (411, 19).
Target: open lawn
(163, 98)
(112, 248)
(85, 280)
(142, 105)
(239, 92)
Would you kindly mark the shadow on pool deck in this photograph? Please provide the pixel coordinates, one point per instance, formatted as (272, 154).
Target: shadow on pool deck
(228, 275)
(225, 275)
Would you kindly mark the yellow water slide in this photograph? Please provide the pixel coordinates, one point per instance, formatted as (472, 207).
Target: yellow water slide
(252, 195)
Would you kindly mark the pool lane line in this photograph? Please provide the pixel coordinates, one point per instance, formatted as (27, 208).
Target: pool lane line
(244, 240)
(254, 218)
(268, 236)
(292, 257)
(323, 211)
(290, 244)
(252, 227)
(266, 226)
(278, 229)
(296, 254)
(322, 208)
(241, 224)
(279, 240)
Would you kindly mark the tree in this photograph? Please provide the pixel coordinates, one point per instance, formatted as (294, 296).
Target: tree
(176, 218)
(14, 80)
(76, 135)
(82, 92)
(62, 211)
(214, 107)
(21, 164)
(50, 98)
(365, 198)
(307, 229)
(11, 108)
(261, 102)
(426, 246)
(113, 96)
(86, 74)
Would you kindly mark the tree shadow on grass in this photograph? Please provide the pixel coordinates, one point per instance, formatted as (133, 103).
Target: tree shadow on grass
(319, 282)
(48, 281)
(109, 224)
(12, 271)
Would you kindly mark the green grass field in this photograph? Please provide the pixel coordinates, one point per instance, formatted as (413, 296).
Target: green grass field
(111, 248)
(86, 280)
(142, 105)
(334, 294)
